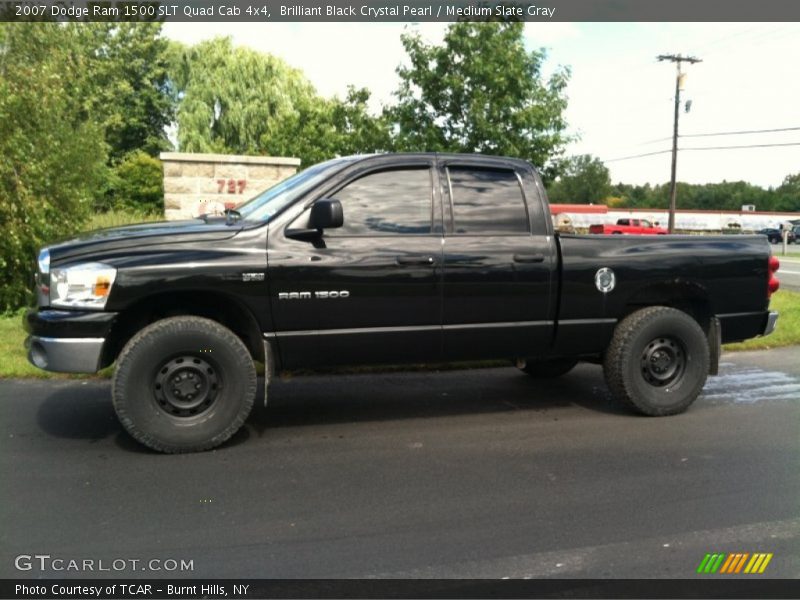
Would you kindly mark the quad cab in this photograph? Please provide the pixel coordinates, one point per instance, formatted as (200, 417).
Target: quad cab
(386, 259)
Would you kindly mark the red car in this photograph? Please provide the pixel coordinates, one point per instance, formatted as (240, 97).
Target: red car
(629, 226)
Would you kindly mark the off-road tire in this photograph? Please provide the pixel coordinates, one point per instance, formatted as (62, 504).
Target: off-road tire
(641, 341)
(216, 360)
(549, 369)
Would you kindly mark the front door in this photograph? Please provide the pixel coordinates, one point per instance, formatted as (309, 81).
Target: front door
(370, 291)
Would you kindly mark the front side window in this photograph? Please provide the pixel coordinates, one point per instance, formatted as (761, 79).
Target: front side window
(395, 201)
(487, 201)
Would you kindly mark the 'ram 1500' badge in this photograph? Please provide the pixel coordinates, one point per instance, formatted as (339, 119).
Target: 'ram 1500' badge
(322, 295)
(605, 280)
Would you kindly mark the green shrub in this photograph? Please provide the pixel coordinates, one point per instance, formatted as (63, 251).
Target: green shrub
(138, 184)
(120, 218)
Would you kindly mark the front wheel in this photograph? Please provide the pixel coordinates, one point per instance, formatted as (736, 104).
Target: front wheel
(658, 361)
(183, 384)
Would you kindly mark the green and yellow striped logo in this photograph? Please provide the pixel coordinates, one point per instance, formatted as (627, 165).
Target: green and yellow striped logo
(735, 563)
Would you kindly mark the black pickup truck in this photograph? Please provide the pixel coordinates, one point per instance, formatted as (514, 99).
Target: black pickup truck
(395, 258)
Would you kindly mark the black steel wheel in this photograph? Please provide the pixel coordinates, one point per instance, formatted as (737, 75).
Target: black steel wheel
(183, 384)
(663, 361)
(658, 361)
(186, 386)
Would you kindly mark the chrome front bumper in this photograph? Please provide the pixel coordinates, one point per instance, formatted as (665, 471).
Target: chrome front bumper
(772, 320)
(65, 355)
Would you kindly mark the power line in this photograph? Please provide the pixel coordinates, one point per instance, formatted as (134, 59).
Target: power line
(636, 156)
(742, 132)
(754, 34)
(706, 47)
(747, 132)
(703, 148)
(745, 146)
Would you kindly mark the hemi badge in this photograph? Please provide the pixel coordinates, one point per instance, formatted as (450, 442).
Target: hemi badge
(252, 276)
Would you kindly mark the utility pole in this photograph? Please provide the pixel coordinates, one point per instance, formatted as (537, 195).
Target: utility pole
(677, 59)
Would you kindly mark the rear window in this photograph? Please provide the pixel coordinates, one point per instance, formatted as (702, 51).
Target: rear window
(487, 201)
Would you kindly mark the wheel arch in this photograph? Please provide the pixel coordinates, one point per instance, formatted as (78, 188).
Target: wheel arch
(685, 296)
(217, 306)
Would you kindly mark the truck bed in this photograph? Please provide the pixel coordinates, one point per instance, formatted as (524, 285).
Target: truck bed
(724, 276)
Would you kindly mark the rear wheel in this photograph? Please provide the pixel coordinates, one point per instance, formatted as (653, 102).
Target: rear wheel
(183, 384)
(549, 369)
(658, 361)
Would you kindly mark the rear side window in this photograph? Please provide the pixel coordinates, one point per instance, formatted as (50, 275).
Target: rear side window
(395, 201)
(487, 201)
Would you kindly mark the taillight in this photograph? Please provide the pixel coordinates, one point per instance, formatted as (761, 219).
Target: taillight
(773, 283)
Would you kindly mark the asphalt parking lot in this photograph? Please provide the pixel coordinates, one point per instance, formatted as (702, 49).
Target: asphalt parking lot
(483, 473)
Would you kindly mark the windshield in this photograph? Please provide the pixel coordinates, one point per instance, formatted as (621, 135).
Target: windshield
(267, 204)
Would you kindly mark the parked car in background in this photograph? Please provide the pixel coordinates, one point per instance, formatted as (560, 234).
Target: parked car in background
(629, 226)
(775, 236)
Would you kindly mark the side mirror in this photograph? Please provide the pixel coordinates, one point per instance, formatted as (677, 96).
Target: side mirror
(326, 213)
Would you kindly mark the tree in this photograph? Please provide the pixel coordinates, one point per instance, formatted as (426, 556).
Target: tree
(585, 180)
(232, 99)
(632, 196)
(788, 194)
(725, 195)
(127, 85)
(358, 130)
(241, 101)
(481, 91)
(320, 129)
(52, 156)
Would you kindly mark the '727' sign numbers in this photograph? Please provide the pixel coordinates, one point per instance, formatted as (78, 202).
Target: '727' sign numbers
(231, 186)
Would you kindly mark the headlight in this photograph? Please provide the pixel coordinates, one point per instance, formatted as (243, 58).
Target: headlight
(43, 278)
(44, 261)
(81, 286)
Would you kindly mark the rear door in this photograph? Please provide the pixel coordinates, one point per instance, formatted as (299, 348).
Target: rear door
(499, 262)
(370, 291)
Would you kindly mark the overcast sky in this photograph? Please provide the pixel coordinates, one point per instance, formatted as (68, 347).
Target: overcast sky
(620, 96)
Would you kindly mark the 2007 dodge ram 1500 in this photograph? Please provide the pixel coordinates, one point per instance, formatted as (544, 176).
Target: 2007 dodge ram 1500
(386, 259)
